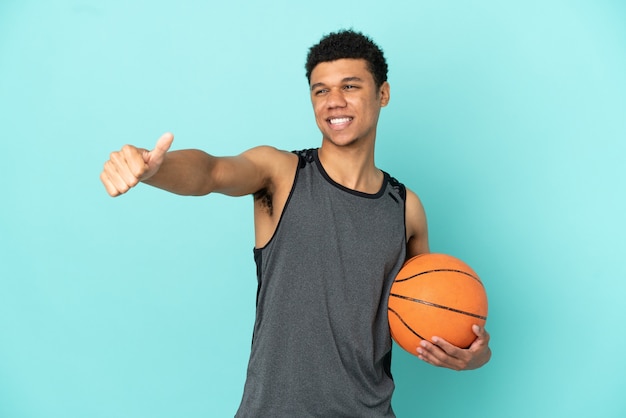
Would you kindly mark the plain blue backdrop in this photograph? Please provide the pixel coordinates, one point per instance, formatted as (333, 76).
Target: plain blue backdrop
(507, 118)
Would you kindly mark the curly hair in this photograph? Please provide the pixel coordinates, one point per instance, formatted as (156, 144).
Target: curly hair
(348, 44)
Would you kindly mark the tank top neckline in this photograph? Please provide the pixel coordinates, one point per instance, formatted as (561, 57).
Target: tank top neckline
(324, 174)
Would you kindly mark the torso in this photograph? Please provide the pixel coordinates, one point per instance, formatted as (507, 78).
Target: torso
(321, 342)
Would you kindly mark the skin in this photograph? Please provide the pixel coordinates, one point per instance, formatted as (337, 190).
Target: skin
(346, 103)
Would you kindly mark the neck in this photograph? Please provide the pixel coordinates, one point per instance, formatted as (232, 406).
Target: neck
(351, 166)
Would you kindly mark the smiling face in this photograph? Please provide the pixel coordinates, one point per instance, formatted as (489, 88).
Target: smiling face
(346, 101)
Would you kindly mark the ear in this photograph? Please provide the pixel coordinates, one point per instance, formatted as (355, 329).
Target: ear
(384, 94)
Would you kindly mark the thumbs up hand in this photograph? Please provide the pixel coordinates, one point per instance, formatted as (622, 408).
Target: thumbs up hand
(130, 165)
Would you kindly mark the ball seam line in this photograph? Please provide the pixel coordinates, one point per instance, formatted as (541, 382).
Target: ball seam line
(435, 305)
(439, 271)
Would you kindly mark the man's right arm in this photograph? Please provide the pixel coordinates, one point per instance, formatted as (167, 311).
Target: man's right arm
(187, 172)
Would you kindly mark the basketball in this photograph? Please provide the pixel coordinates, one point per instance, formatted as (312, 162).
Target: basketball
(436, 295)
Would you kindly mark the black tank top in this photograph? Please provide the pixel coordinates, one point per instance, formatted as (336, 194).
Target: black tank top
(321, 344)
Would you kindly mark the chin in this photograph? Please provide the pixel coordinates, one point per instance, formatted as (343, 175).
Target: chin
(342, 142)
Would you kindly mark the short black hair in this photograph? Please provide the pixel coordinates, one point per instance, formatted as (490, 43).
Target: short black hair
(348, 44)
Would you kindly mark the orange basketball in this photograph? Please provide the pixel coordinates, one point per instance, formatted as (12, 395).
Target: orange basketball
(436, 295)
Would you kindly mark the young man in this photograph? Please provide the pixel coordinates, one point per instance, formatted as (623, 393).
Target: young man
(331, 233)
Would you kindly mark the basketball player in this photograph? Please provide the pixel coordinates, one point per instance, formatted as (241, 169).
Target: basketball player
(331, 232)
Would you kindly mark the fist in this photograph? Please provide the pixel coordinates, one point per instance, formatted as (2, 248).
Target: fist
(130, 165)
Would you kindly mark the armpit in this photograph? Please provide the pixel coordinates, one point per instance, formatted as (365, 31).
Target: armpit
(264, 198)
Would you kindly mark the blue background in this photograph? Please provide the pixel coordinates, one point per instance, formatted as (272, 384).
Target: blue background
(507, 118)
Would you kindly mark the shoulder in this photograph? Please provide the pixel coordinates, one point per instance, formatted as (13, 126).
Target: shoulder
(398, 187)
(413, 201)
(416, 225)
(307, 155)
(265, 153)
(272, 161)
(415, 213)
(275, 170)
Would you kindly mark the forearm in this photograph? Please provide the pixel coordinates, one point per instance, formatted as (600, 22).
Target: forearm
(185, 172)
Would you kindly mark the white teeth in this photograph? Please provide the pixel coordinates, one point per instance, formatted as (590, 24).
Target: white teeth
(340, 120)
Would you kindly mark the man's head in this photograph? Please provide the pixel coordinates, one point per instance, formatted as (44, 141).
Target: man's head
(348, 44)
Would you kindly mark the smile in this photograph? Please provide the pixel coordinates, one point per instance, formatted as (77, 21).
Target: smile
(339, 121)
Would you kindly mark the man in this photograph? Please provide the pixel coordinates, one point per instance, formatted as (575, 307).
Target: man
(331, 233)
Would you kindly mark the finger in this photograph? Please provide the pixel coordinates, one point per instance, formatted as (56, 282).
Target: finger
(480, 332)
(130, 163)
(448, 348)
(108, 185)
(482, 337)
(111, 180)
(163, 145)
(111, 176)
(425, 353)
(434, 355)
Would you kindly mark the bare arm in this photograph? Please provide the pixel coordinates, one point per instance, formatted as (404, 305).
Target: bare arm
(439, 352)
(416, 226)
(188, 172)
(196, 173)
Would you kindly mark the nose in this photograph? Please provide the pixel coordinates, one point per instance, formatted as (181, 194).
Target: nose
(335, 99)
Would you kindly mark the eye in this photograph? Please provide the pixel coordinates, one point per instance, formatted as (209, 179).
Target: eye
(350, 87)
(320, 92)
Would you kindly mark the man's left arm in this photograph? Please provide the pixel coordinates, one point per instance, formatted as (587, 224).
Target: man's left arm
(439, 352)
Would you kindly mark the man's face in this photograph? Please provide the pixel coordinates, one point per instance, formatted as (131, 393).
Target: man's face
(346, 101)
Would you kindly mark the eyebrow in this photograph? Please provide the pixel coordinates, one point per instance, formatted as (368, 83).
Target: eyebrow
(344, 80)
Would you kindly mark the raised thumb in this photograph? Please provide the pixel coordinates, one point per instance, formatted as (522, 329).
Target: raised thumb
(163, 144)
